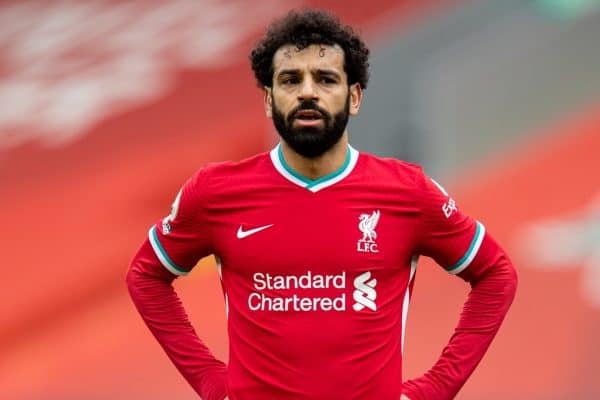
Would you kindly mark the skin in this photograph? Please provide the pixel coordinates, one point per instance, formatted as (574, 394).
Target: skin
(316, 72)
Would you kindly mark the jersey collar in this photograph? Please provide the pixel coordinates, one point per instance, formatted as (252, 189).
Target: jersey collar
(314, 185)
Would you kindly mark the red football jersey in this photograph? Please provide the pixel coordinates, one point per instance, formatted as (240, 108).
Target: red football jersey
(316, 274)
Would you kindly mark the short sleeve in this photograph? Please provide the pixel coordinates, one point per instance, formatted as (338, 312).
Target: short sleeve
(182, 238)
(444, 233)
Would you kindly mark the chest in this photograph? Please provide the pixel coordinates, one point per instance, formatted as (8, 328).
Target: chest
(288, 231)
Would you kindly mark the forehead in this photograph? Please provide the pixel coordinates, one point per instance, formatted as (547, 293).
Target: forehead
(315, 56)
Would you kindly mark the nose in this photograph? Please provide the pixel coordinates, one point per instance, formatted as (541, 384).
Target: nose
(308, 90)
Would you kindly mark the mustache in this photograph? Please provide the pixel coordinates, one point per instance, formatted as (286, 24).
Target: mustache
(309, 105)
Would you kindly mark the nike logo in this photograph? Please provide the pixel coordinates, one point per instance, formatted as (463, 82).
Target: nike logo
(242, 233)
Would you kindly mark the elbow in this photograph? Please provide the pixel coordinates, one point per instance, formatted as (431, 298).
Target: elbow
(145, 269)
(132, 278)
(506, 278)
(512, 281)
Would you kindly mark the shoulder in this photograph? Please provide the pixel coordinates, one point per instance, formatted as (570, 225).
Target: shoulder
(392, 168)
(247, 165)
(219, 175)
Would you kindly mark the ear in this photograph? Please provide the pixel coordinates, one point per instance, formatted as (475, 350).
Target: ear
(355, 98)
(268, 101)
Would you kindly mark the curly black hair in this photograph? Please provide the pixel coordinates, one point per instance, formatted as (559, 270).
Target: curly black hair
(302, 29)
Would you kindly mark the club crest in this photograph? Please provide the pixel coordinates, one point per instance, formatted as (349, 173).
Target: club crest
(367, 225)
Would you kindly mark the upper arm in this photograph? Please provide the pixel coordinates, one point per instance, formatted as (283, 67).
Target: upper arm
(444, 232)
(180, 239)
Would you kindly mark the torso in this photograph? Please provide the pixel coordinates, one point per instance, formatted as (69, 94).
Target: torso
(315, 298)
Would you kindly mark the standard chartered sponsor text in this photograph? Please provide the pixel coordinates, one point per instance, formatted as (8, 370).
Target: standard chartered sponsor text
(260, 301)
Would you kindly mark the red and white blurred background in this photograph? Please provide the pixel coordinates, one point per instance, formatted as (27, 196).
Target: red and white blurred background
(106, 107)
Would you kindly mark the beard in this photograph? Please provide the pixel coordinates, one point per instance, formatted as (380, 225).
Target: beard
(311, 141)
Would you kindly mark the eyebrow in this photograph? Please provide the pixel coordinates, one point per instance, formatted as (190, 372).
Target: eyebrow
(288, 72)
(318, 71)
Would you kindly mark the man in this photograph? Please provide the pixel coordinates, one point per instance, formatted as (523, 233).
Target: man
(317, 246)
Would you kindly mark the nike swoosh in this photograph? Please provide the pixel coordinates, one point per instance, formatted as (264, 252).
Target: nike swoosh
(242, 233)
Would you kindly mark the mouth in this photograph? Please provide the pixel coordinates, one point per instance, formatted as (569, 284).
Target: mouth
(308, 117)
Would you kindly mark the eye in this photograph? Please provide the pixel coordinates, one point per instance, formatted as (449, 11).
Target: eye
(327, 80)
(292, 80)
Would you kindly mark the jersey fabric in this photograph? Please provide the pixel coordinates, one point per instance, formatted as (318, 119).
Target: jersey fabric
(316, 274)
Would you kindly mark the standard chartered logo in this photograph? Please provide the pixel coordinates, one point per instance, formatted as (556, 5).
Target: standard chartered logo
(365, 294)
(297, 292)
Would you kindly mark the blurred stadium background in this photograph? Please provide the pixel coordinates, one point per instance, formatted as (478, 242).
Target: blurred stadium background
(106, 107)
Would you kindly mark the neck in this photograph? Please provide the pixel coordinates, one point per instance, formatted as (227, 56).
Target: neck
(318, 167)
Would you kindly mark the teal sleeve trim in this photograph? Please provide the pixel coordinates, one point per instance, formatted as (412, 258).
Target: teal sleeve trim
(466, 260)
(162, 254)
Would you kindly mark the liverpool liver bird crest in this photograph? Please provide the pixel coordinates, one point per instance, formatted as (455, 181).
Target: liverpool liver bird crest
(367, 226)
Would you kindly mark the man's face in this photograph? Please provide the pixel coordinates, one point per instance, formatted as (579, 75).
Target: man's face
(310, 100)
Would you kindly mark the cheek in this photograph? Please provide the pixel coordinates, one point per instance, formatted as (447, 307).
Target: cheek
(339, 105)
(284, 105)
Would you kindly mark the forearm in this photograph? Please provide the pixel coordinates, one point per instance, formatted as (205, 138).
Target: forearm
(150, 288)
(493, 283)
